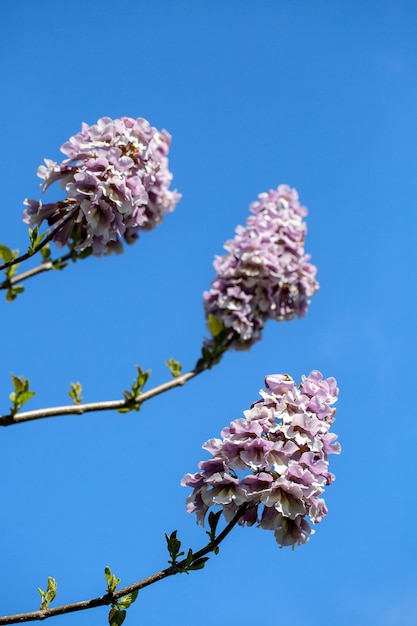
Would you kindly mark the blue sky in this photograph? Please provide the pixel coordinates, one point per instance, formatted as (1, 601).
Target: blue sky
(319, 95)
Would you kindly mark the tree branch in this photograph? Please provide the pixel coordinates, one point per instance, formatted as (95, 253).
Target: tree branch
(111, 598)
(79, 409)
(44, 267)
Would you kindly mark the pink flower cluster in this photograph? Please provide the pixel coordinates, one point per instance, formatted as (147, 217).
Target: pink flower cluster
(117, 180)
(274, 460)
(265, 273)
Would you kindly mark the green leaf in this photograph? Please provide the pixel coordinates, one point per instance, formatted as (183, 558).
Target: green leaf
(13, 292)
(18, 383)
(46, 253)
(211, 356)
(21, 393)
(189, 558)
(116, 617)
(49, 595)
(6, 254)
(215, 325)
(125, 409)
(125, 601)
(185, 565)
(59, 265)
(75, 393)
(111, 579)
(51, 589)
(35, 238)
(174, 546)
(198, 563)
(33, 233)
(132, 397)
(142, 378)
(213, 520)
(85, 253)
(175, 367)
(23, 397)
(44, 604)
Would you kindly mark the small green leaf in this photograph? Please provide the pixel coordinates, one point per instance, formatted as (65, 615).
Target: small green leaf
(215, 325)
(33, 233)
(18, 383)
(189, 558)
(6, 254)
(132, 397)
(116, 617)
(198, 563)
(46, 253)
(49, 595)
(111, 579)
(142, 377)
(59, 265)
(13, 292)
(21, 393)
(51, 589)
(23, 397)
(43, 605)
(175, 367)
(213, 520)
(75, 393)
(211, 356)
(174, 546)
(185, 565)
(108, 574)
(125, 409)
(125, 601)
(34, 238)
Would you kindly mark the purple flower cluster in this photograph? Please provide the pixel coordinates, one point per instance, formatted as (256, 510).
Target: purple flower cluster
(117, 180)
(274, 460)
(265, 273)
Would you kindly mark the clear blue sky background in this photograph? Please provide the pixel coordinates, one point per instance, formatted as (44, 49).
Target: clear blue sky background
(319, 95)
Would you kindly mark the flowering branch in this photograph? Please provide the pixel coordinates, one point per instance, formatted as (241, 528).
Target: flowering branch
(79, 409)
(111, 598)
(133, 399)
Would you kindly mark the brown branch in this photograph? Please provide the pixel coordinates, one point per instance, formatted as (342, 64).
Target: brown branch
(111, 598)
(79, 409)
(44, 267)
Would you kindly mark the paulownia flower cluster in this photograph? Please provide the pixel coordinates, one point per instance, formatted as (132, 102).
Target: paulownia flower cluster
(274, 460)
(265, 273)
(116, 179)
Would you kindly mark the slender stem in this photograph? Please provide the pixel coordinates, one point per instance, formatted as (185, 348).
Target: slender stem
(43, 243)
(79, 409)
(44, 267)
(111, 598)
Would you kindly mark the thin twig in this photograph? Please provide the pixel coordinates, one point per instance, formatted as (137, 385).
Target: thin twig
(79, 409)
(43, 243)
(111, 598)
(44, 267)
